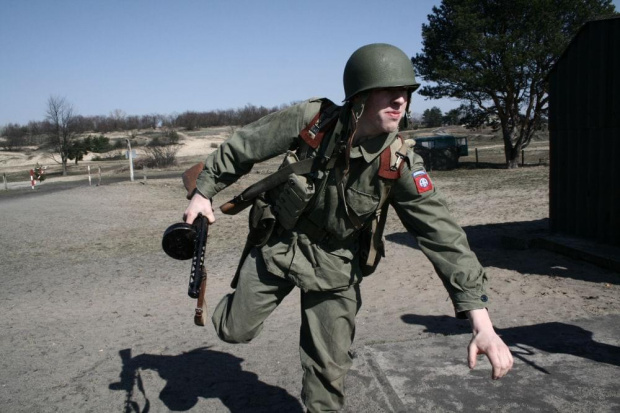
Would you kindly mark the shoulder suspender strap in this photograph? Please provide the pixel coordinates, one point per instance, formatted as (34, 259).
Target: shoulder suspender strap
(304, 166)
(391, 159)
(322, 122)
(377, 227)
(389, 168)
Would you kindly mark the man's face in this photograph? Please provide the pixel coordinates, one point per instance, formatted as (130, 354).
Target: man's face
(383, 111)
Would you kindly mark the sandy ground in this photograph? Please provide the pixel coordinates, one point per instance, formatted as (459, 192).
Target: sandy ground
(95, 317)
(189, 146)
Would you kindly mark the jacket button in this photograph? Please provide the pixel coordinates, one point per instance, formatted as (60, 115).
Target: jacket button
(484, 298)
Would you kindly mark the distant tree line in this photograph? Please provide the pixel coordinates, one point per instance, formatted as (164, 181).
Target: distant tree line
(232, 117)
(434, 117)
(38, 132)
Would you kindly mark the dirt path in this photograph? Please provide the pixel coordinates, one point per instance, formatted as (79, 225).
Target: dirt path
(96, 318)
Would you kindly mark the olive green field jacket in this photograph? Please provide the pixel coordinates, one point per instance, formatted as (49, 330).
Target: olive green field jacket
(330, 261)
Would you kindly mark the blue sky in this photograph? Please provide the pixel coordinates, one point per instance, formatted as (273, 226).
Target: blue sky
(164, 57)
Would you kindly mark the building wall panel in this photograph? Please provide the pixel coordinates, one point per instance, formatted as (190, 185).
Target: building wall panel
(584, 123)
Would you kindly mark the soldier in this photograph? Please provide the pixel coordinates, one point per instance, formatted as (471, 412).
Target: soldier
(362, 166)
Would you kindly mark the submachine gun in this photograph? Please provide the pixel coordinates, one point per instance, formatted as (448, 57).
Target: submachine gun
(183, 241)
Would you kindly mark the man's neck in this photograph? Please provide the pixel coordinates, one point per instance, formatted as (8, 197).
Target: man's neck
(359, 139)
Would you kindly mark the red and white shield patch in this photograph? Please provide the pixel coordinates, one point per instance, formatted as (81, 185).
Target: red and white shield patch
(422, 181)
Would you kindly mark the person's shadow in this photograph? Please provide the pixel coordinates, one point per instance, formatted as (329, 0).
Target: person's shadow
(200, 373)
(516, 246)
(550, 337)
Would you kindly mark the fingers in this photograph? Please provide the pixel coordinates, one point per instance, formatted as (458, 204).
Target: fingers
(209, 215)
(496, 351)
(499, 370)
(506, 363)
(189, 216)
(199, 205)
(472, 351)
(501, 360)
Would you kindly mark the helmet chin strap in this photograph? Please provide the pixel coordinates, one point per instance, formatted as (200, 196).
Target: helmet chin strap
(404, 122)
(357, 105)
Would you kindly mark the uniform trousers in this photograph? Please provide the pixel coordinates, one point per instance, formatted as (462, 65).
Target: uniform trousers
(326, 333)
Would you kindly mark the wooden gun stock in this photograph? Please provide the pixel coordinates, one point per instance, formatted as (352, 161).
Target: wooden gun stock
(200, 314)
(235, 205)
(190, 177)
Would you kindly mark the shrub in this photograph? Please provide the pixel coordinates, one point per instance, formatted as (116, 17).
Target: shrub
(112, 156)
(100, 144)
(155, 142)
(173, 137)
(15, 136)
(159, 156)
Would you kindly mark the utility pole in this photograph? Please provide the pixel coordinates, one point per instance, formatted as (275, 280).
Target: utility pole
(130, 156)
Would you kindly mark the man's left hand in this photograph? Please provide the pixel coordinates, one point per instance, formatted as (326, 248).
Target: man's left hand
(486, 341)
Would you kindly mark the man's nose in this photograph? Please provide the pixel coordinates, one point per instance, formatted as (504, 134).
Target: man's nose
(399, 96)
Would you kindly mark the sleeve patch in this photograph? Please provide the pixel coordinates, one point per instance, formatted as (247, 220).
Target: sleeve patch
(422, 181)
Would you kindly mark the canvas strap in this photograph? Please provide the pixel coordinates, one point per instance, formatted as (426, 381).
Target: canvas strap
(312, 135)
(378, 224)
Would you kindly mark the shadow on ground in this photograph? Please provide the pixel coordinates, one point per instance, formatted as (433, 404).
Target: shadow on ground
(199, 373)
(486, 236)
(493, 165)
(488, 242)
(553, 337)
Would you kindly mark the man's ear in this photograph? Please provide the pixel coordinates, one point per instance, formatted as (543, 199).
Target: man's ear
(358, 102)
(360, 98)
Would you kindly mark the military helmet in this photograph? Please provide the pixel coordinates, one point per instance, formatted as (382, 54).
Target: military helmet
(378, 65)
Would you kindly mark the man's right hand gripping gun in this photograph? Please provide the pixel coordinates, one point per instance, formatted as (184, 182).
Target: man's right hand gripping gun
(184, 241)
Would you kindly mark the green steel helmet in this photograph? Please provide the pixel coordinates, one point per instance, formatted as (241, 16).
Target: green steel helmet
(378, 65)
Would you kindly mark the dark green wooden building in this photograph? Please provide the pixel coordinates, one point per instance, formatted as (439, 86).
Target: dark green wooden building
(584, 127)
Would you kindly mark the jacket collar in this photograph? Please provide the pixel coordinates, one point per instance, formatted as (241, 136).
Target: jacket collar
(372, 148)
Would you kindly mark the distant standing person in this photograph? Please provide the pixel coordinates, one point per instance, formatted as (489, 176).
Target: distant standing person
(328, 221)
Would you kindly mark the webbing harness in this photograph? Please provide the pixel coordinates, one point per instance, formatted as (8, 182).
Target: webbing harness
(391, 171)
(312, 135)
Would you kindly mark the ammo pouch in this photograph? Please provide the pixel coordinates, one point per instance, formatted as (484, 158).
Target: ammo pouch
(262, 222)
(291, 198)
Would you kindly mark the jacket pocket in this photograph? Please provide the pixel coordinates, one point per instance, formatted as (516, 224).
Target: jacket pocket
(361, 203)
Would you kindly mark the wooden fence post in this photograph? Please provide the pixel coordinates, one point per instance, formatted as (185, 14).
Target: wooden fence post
(476, 157)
